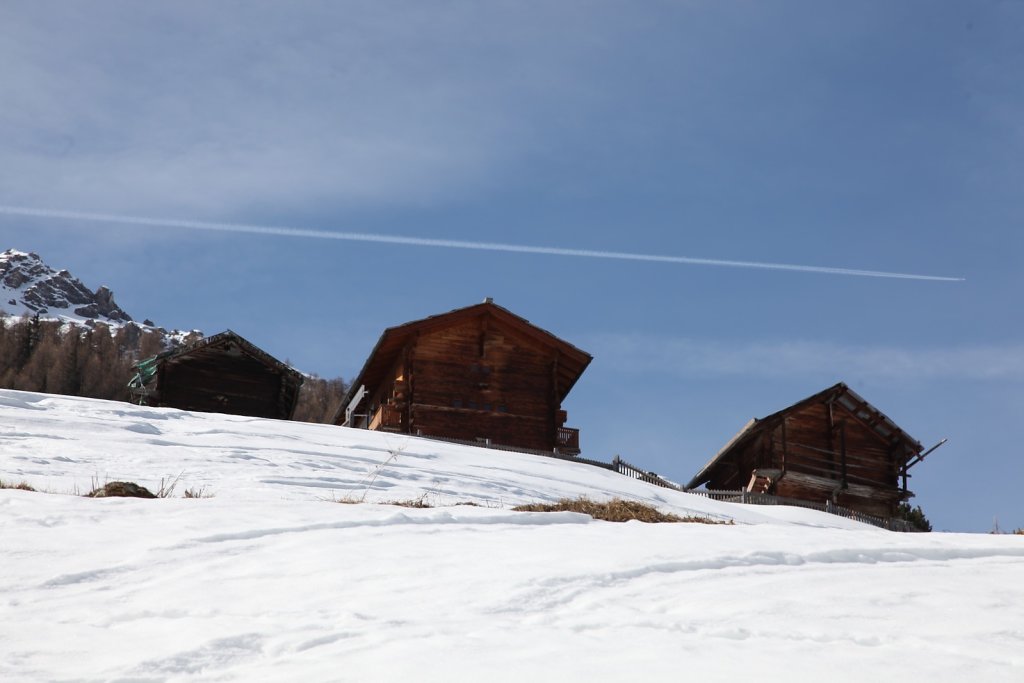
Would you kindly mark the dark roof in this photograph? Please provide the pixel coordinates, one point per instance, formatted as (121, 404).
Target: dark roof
(146, 368)
(838, 393)
(572, 361)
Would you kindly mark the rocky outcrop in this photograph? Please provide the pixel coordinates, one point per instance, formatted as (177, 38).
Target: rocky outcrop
(27, 285)
(121, 489)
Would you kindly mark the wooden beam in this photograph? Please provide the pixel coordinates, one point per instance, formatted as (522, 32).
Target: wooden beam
(842, 452)
(784, 444)
(407, 375)
(831, 434)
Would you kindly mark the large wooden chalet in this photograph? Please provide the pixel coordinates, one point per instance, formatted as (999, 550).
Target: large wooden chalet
(832, 446)
(224, 373)
(479, 373)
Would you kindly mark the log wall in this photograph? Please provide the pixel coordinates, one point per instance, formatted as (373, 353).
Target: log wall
(212, 380)
(476, 380)
(817, 452)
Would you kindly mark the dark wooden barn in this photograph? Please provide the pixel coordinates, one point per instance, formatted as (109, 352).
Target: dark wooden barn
(224, 373)
(832, 446)
(479, 373)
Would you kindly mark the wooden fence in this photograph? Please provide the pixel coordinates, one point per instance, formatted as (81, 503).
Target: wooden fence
(634, 472)
(749, 498)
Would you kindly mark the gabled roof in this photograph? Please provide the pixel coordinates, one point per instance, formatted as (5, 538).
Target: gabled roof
(572, 361)
(146, 369)
(838, 393)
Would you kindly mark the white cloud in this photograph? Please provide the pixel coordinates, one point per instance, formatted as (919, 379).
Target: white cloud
(774, 359)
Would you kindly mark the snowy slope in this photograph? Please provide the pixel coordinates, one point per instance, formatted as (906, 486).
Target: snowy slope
(270, 580)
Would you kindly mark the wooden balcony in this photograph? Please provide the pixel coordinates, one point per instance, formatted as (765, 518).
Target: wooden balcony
(388, 418)
(567, 440)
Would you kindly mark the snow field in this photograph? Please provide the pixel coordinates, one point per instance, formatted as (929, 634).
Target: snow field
(270, 580)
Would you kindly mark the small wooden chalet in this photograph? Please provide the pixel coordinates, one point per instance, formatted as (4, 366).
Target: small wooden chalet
(832, 446)
(220, 374)
(479, 373)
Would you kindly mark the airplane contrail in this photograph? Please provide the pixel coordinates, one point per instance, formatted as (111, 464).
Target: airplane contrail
(448, 243)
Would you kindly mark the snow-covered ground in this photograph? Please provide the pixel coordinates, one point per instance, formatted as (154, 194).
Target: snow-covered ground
(271, 579)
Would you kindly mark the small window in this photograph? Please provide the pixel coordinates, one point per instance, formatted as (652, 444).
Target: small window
(472, 405)
(487, 407)
(457, 403)
(502, 409)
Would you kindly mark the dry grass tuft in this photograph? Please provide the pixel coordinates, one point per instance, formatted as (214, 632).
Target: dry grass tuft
(1019, 532)
(167, 486)
(21, 486)
(615, 510)
(420, 502)
(201, 492)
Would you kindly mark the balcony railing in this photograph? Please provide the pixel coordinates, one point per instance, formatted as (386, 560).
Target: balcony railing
(567, 440)
(387, 418)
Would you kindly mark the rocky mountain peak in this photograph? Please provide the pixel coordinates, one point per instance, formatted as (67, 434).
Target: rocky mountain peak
(28, 285)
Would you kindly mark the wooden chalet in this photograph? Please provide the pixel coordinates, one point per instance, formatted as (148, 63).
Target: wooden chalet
(479, 373)
(224, 373)
(832, 446)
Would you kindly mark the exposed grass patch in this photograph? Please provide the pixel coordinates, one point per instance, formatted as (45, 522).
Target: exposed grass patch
(615, 510)
(420, 502)
(1019, 532)
(21, 485)
(428, 499)
(121, 489)
(129, 489)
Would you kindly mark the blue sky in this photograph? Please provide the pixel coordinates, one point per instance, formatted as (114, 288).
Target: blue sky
(872, 135)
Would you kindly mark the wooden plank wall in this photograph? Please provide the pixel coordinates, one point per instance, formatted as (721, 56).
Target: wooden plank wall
(480, 380)
(826, 452)
(834, 445)
(213, 380)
